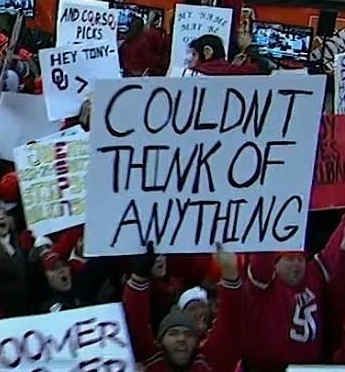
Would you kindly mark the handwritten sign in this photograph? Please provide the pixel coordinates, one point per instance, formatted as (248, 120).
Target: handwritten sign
(82, 23)
(18, 126)
(202, 160)
(339, 84)
(52, 182)
(91, 338)
(69, 72)
(191, 22)
(13, 6)
(329, 175)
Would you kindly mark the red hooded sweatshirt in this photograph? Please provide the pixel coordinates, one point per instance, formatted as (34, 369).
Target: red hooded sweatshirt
(220, 67)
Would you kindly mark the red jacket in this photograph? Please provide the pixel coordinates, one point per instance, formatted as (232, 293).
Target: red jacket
(222, 67)
(287, 325)
(219, 352)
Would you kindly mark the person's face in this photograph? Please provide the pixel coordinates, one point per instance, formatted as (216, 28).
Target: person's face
(200, 312)
(5, 223)
(179, 344)
(192, 58)
(291, 269)
(59, 278)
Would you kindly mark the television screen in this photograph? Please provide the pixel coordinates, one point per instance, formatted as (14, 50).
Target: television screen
(128, 11)
(282, 41)
(12, 6)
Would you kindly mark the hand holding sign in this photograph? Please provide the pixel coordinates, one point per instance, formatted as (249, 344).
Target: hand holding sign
(228, 263)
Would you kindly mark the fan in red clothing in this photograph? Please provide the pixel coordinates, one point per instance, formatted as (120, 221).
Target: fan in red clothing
(206, 56)
(177, 347)
(285, 306)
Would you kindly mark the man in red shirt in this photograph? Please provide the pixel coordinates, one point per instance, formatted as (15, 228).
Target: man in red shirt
(177, 348)
(285, 300)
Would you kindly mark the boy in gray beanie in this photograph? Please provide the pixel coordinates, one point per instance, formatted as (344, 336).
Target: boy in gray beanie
(177, 347)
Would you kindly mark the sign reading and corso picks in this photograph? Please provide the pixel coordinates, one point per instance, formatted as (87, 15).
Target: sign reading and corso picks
(84, 23)
(86, 339)
(69, 72)
(202, 160)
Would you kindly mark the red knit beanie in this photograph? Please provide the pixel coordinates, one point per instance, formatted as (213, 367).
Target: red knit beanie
(9, 187)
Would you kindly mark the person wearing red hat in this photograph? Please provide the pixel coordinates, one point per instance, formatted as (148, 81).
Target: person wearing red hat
(285, 307)
(9, 187)
(59, 278)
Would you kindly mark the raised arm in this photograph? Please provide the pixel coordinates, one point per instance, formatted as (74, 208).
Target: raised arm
(222, 347)
(136, 301)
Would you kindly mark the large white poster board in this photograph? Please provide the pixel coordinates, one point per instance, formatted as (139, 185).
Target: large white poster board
(83, 23)
(202, 160)
(23, 117)
(339, 84)
(191, 22)
(52, 182)
(69, 72)
(91, 338)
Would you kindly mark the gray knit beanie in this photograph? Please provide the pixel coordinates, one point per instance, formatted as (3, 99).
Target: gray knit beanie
(176, 318)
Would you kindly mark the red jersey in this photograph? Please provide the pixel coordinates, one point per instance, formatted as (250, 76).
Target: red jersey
(285, 325)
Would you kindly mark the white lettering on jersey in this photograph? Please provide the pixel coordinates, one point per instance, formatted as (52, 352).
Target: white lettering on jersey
(304, 326)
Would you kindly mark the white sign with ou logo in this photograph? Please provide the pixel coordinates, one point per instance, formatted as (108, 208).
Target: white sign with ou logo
(69, 74)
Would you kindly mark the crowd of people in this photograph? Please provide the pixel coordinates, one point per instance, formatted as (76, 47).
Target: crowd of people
(223, 312)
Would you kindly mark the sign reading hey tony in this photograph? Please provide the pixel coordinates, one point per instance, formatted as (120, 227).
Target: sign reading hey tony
(202, 160)
(339, 84)
(69, 73)
(52, 182)
(193, 23)
(91, 338)
(82, 23)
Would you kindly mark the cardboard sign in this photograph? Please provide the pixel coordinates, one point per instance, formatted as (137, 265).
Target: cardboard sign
(27, 7)
(69, 73)
(91, 338)
(329, 176)
(339, 84)
(52, 182)
(23, 118)
(192, 22)
(202, 160)
(83, 23)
